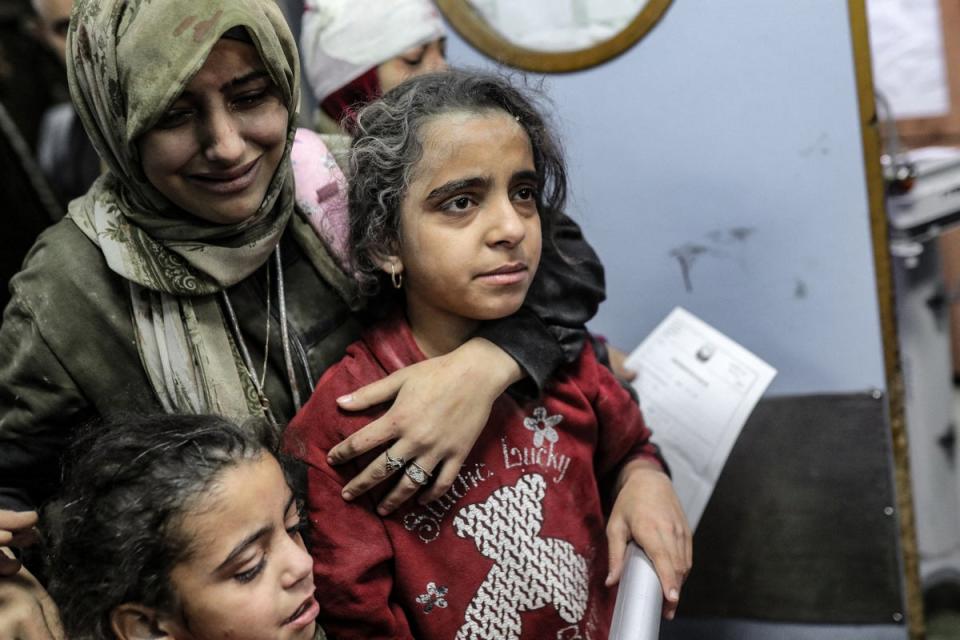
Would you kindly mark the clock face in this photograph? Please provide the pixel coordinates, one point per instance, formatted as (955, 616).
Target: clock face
(553, 35)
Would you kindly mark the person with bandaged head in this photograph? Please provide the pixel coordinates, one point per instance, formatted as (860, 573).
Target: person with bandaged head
(353, 51)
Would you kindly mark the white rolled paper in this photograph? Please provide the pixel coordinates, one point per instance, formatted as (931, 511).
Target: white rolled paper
(639, 600)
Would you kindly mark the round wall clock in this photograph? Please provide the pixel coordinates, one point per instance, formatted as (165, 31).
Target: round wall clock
(553, 35)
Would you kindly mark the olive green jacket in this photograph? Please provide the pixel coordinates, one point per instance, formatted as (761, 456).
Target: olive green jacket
(68, 354)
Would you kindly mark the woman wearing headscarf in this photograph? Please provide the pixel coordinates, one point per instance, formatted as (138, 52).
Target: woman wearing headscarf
(355, 50)
(187, 279)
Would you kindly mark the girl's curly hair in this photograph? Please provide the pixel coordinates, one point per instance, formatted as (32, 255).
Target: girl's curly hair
(388, 145)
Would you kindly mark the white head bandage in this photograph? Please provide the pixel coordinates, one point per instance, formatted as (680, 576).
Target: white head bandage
(340, 40)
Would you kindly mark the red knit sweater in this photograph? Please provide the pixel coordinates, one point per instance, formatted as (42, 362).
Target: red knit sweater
(515, 548)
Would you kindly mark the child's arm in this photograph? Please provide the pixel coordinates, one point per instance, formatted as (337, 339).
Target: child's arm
(352, 564)
(352, 552)
(647, 511)
(632, 473)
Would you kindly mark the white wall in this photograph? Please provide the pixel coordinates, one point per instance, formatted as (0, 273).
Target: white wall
(733, 128)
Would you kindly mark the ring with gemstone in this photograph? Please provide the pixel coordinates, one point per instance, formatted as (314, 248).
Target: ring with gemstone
(392, 465)
(417, 473)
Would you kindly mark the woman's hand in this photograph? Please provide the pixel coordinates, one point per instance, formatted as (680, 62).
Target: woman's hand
(648, 512)
(17, 529)
(441, 407)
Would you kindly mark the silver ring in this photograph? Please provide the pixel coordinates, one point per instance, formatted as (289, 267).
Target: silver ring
(417, 473)
(392, 465)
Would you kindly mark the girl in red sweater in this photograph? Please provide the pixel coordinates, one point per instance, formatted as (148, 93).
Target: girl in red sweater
(455, 181)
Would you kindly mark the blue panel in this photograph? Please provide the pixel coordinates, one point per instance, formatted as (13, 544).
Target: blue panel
(730, 138)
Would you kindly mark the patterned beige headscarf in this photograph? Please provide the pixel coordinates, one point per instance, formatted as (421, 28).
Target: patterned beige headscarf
(127, 62)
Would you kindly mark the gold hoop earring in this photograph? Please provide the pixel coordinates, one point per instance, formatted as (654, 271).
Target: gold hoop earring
(396, 278)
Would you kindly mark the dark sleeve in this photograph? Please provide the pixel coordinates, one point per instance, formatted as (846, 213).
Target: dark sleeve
(624, 434)
(39, 402)
(566, 292)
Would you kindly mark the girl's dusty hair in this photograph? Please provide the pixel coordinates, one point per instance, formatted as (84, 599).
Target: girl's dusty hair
(115, 533)
(388, 146)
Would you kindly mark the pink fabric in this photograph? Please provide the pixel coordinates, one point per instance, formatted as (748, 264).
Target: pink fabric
(321, 193)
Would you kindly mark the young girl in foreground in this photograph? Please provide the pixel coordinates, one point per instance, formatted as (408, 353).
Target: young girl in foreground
(455, 183)
(180, 528)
